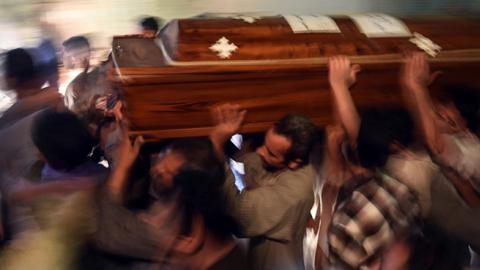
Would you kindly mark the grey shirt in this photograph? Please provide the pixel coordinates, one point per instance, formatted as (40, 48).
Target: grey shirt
(273, 213)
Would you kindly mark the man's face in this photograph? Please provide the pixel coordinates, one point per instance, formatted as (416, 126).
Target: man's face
(273, 151)
(147, 33)
(77, 58)
(164, 170)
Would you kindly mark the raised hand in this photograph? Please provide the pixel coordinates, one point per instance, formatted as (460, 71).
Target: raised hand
(228, 120)
(416, 72)
(341, 71)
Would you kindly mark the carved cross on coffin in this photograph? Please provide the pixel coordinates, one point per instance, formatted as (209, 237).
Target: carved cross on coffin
(247, 19)
(224, 48)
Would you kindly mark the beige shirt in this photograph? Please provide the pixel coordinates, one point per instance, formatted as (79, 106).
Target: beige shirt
(417, 171)
(462, 154)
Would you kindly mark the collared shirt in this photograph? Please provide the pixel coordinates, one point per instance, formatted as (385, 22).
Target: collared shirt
(377, 211)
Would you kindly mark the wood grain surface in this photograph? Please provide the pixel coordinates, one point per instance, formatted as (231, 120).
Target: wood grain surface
(274, 71)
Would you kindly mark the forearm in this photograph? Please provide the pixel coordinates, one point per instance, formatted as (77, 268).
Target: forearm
(117, 182)
(219, 145)
(422, 108)
(347, 111)
(334, 153)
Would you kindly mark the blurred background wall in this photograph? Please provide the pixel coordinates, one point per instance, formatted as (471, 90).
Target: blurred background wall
(23, 22)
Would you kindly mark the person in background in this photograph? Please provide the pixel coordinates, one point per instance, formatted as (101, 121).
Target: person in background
(150, 27)
(91, 88)
(26, 71)
(23, 77)
(447, 126)
(26, 79)
(65, 144)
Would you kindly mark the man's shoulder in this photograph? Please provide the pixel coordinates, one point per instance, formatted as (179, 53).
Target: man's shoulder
(74, 85)
(299, 180)
(414, 169)
(306, 172)
(81, 76)
(84, 77)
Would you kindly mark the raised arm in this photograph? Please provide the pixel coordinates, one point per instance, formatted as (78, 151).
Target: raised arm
(125, 158)
(342, 75)
(336, 170)
(415, 78)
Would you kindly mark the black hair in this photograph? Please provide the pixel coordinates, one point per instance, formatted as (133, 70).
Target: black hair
(301, 132)
(62, 138)
(467, 101)
(379, 128)
(19, 66)
(149, 23)
(76, 42)
(200, 183)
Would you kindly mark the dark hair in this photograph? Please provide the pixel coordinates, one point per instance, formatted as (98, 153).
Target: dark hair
(467, 101)
(62, 138)
(19, 66)
(200, 182)
(301, 132)
(149, 23)
(76, 42)
(380, 128)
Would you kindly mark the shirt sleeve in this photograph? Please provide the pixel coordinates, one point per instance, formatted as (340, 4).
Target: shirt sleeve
(463, 156)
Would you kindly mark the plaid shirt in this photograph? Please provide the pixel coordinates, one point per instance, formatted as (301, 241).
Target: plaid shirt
(369, 219)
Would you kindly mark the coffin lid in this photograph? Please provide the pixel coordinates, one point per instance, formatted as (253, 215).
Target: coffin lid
(270, 39)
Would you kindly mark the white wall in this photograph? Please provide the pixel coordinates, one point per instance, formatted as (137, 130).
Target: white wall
(24, 21)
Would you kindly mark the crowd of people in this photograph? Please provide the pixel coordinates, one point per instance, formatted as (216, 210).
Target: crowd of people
(378, 188)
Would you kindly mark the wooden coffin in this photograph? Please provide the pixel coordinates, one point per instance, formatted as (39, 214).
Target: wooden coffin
(170, 83)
